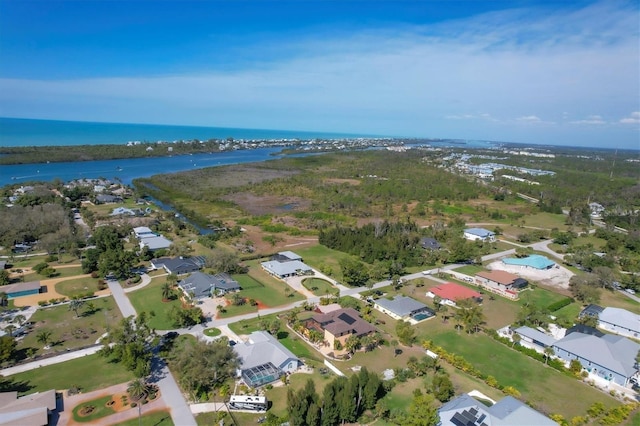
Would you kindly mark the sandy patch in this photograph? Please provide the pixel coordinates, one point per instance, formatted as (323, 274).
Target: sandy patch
(557, 277)
(353, 182)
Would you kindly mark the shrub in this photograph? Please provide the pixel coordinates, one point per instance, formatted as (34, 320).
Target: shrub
(40, 266)
(51, 258)
(560, 304)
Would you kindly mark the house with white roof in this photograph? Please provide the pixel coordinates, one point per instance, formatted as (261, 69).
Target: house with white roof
(36, 409)
(264, 360)
(619, 321)
(479, 234)
(157, 242)
(468, 411)
(286, 269)
(143, 232)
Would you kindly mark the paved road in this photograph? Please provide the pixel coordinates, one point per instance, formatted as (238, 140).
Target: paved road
(171, 393)
(544, 246)
(50, 361)
(121, 299)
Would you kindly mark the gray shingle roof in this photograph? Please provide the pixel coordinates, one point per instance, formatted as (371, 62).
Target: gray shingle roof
(401, 305)
(285, 268)
(262, 348)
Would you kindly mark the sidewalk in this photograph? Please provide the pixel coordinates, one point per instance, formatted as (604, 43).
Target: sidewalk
(50, 361)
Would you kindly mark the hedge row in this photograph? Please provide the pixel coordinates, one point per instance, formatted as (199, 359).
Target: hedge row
(560, 304)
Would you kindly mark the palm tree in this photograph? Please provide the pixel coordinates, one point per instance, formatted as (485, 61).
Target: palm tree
(548, 351)
(166, 291)
(75, 304)
(516, 339)
(10, 329)
(172, 279)
(20, 319)
(44, 337)
(138, 390)
(3, 298)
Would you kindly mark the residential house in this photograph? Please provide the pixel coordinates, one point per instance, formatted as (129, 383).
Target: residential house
(264, 360)
(609, 357)
(107, 198)
(479, 234)
(29, 410)
(501, 282)
(451, 293)
(468, 411)
(21, 289)
(286, 256)
(591, 311)
(141, 232)
(155, 243)
(339, 325)
(200, 285)
(404, 308)
(178, 265)
(289, 268)
(534, 339)
(430, 243)
(596, 209)
(619, 321)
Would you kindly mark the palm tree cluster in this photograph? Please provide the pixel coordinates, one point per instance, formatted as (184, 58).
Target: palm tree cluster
(469, 315)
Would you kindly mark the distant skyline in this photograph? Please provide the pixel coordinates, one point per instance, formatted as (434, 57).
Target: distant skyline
(535, 72)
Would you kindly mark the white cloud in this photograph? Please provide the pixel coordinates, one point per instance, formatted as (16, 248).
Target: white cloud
(634, 118)
(592, 119)
(397, 82)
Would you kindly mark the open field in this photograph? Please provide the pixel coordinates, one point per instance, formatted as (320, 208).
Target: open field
(323, 259)
(154, 418)
(90, 373)
(264, 288)
(69, 332)
(544, 387)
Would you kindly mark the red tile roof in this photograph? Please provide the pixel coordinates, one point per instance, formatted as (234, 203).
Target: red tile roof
(453, 291)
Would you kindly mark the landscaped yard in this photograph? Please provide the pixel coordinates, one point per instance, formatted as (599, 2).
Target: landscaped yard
(153, 418)
(69, 332)
(90, 372)
(61, 272)
(77, 286)
(93, 410)
(149, 299)
(318, 286)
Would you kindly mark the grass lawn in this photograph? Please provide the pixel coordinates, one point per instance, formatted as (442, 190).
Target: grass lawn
(69, 332)
(72, 271)
(247, 326)
(401, 395)
(100, 409)
(262, 287)
(318, 286)
(584, 240)
(153, 418)
(298, 346)
(234, 310)
(470, 269)
(89, 373)
(212, 332)
(149, 299)
(545, 220)
(324, 259)
(77, 286)
(568, 313)
(542, 386)
(208, 419)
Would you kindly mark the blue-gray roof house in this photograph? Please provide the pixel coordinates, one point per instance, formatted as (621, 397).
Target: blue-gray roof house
(609, 357)
(481, 234)
(404, 308)
(178, 265)
(286, 269)
(467, 411)
(534, 337)
(200, 285)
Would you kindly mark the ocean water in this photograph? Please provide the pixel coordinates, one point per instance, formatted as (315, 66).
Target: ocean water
(29, 132)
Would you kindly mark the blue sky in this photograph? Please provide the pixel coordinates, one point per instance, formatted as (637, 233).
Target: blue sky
(556, 72)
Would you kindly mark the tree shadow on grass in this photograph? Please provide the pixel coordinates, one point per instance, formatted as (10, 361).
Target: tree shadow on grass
(282, 335)
(22, 386)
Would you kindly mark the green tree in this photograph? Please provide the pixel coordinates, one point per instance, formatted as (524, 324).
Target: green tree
(442, 387)
(167, 291)
(131, 345)
(4, 277)
(422, 411)
(3, 298)
(406, 334)
(44, 337)
(548, 352)
(515, 339)
(75, 304)
(7, 348)
(138, 391)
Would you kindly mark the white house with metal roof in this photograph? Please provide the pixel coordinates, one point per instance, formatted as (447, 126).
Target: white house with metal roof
(534, 339)
(619, 321)
(481, 234)
(609, 357)
(264, 360)
(286, 269)
(468, 411)
(155, 243)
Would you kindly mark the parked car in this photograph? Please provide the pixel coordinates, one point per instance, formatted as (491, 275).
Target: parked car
(630, 291)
